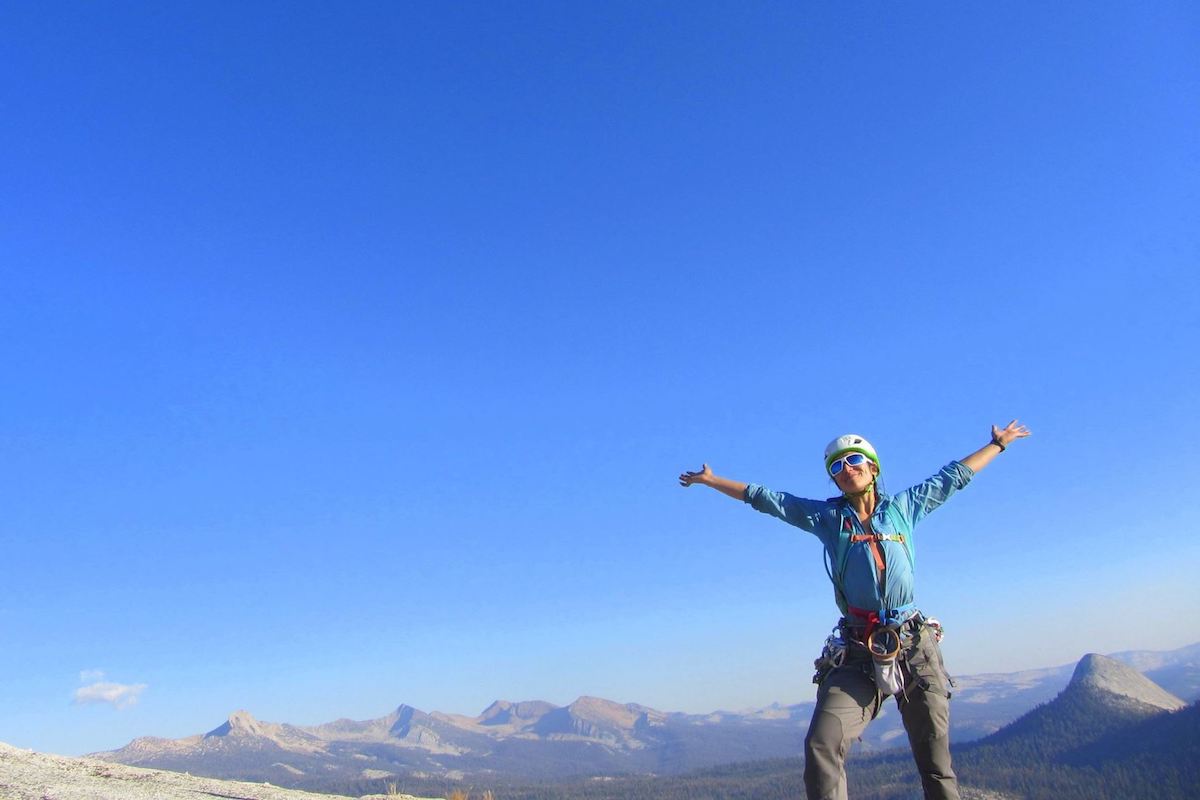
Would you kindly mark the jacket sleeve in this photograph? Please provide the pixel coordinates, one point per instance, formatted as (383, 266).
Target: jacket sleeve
(916, 502)
(797, 511)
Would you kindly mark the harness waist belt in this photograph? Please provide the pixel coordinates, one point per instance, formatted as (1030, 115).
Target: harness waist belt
(870, 620)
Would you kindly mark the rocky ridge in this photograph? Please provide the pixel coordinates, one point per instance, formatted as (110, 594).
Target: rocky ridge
(26, 775)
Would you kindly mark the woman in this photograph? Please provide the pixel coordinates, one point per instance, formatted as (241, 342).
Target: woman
(886, 645)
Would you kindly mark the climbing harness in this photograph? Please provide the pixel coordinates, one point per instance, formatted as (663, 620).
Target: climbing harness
(871, 621)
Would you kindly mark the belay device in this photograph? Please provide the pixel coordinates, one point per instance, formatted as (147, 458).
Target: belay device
(884, 644)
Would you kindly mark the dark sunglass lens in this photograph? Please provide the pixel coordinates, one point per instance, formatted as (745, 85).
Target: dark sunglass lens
(835, 467)
(855, 459)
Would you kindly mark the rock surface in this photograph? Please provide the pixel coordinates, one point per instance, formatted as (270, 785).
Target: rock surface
(26, 775)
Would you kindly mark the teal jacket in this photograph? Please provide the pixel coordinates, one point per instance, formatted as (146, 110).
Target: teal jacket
(858, 583)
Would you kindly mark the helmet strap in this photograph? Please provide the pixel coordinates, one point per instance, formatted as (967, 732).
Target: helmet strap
(870, 487)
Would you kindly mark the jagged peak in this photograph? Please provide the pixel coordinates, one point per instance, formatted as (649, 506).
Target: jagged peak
(242, 717)
(401, 720)
(1101, 673)
(405, 710)
(404, 714)
(239, 722)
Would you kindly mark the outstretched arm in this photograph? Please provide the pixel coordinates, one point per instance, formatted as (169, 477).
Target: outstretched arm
(918, 501)
(1001, 439)
(705, 477)
(793, 510)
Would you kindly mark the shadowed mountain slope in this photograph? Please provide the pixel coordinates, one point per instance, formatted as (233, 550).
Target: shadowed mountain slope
(1093, 741)
(1103, 695)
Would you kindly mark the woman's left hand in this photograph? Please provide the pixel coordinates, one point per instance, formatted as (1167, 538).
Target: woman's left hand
(1011, 433)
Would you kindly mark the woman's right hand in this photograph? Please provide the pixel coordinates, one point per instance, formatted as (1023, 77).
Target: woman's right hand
(701, 477)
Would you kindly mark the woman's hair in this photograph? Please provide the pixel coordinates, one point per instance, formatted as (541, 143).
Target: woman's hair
(880, 490)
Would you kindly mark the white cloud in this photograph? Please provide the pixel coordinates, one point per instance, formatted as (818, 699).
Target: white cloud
(118, 695)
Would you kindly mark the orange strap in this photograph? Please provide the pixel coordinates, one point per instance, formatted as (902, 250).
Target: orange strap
(876, 550)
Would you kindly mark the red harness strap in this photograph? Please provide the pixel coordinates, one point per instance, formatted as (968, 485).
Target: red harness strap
(871, 618)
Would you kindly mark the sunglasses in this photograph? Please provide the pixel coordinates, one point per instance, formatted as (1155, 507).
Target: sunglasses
(848, 460)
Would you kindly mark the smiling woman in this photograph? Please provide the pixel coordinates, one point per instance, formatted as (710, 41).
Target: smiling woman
(883, 645)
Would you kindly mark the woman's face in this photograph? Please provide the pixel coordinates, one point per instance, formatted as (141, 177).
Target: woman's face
(855, 479)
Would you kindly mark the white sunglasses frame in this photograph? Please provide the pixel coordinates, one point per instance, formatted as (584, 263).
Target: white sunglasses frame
(842, 461)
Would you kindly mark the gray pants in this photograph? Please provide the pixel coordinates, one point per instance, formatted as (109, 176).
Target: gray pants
(847, 700)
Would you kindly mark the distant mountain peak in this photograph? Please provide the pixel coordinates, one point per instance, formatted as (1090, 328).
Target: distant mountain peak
(605, 712)
(497, 707)
(242, 718)
(503, 712)
(400, 722)
(1098, 673)
(239, 722)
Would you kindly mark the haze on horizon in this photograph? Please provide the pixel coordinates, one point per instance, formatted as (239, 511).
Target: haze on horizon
(353, 352)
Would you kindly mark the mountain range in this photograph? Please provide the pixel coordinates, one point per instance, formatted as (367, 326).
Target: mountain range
(596, 737)
(530, 739)
(1110, 734)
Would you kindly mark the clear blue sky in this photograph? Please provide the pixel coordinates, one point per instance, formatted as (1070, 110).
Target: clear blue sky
(351, 351)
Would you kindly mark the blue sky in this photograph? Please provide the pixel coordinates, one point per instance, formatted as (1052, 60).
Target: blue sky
(352, 351)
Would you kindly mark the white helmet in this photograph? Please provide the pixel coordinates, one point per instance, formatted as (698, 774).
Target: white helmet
(850, 443)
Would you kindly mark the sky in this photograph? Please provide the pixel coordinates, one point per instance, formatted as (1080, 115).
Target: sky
(352, 350)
